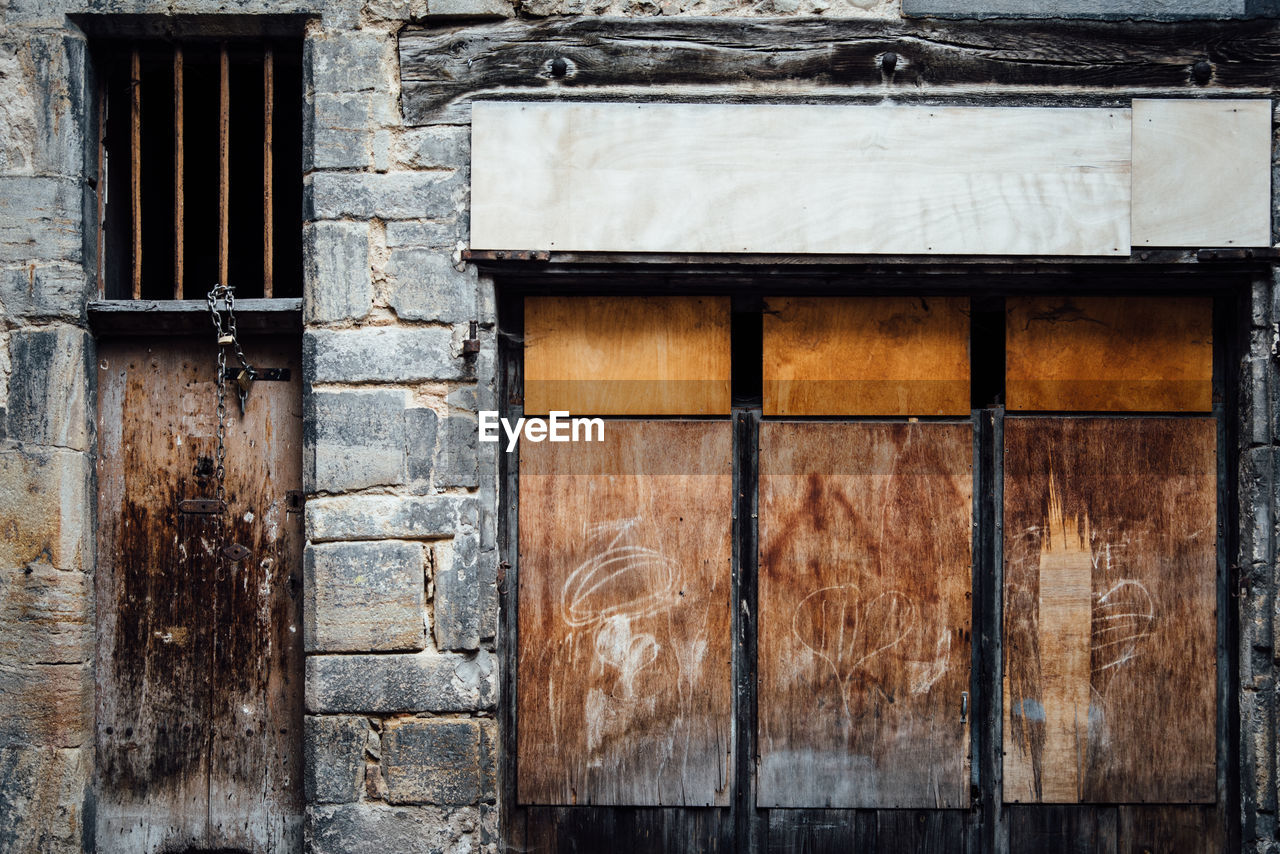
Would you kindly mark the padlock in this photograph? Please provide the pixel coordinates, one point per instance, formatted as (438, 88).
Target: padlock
(226, 339)
(245, 381)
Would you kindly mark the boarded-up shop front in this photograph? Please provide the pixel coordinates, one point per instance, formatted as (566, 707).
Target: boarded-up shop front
(912, 540)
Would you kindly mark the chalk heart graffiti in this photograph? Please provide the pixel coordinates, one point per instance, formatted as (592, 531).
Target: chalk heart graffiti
(619, 584)
(846, 631)
(1123, 618)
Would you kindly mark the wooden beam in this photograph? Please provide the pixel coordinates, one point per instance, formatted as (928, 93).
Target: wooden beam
(102, 184)
(439, 68)
(224, 163)
(268, 110)
(179, 201)
(135, 170)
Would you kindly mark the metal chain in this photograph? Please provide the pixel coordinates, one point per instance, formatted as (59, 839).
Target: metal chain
(226, 335)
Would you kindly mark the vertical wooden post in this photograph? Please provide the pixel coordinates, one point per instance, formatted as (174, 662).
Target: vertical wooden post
(224, 163)
(268, 110)
(179, 200)
(102, 185)
(135, 166)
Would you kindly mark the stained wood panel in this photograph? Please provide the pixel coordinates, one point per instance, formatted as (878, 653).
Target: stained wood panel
(1110, 610)
(769, 178)
(199, 661)
(627, 355)
(866, 356)
(624, 661)
(1109, 353)
(1199, 172)
(865, 612)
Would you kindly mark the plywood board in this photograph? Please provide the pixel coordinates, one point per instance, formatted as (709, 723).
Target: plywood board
(624, 660)
(793, 178)
(1110, 610)
(865, 613)
(1109, 353)
(1201, 172)
(627, 355)
(199, 659)
(866, 356)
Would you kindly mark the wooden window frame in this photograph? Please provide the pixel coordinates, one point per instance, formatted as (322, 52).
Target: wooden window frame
(986, 825)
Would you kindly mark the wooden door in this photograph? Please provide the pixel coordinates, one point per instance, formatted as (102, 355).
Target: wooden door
(199, 662)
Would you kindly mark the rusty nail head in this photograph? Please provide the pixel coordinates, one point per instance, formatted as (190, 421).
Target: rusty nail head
(889, 61)
(1201, 72)
(559, 67)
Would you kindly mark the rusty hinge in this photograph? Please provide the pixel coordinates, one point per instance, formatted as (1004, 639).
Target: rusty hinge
(268, 375)
(506, 255)
(501, 580)
(202, 505)
(1259, 253)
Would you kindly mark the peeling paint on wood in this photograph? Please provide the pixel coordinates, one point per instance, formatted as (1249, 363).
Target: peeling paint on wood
(1126, 507)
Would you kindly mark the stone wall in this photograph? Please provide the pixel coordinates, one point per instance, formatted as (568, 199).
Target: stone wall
(402, 667)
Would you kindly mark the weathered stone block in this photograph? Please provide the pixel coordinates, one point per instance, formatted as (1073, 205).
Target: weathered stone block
(456, 459)
(488, 758)
(346, 61)
(420, 448)
(340, 128)
(1257, 484)
(458, 600)
(382, 829)
(439, 146)
(364, 596)
(382, 684)
(376, 517)
(428, 761)
(1160, 10)
(42, 116)
(44, 291)
(41, 219)
(46, 615)
(48, 387)
(425, 234)
(44, 494)
(391, 195)
(470, 9)
(385, 354)
(358, 440)
(423, 285)
(333, 759)
(336, 259)
(43, 792)
(46, 704)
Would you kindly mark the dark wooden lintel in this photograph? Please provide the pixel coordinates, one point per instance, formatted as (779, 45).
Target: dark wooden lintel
(441, 67)
(182, 317)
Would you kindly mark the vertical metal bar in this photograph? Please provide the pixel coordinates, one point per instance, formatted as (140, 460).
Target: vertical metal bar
(102, 184)
(224, 162)
(135, 166)
(179, 165)
(268, 110)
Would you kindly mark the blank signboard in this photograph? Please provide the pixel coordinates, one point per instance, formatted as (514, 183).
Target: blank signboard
(1201, 172)
(1110, 603)
(865, 613)
(800, 178)
(1109, 353)
(627, 355)
(866, 356)
(624, 686)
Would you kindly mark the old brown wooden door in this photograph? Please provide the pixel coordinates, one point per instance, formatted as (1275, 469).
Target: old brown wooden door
(199, 664)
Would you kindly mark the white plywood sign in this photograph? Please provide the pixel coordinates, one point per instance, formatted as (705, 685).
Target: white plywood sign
(1201, 173)
(829, 179)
